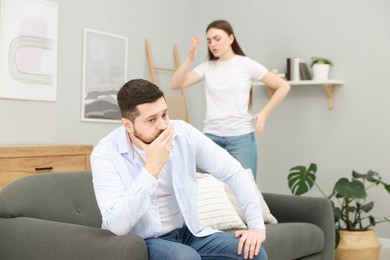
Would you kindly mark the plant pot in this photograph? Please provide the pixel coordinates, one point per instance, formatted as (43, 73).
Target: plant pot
(321, 71)
(358, 245)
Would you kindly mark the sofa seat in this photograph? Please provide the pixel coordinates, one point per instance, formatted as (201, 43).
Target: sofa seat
(55, 216)
(24, 238)
(298, 240)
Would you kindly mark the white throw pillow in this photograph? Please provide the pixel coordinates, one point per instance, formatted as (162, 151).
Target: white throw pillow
(267, 216)
(215, 210)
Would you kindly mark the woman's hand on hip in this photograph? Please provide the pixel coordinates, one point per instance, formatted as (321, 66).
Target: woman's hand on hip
(260, 121)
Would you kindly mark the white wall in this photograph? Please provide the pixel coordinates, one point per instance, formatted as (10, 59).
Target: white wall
(163, 22)
(354, 34)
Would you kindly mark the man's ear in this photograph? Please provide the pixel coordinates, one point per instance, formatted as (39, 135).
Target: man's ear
(127, 124)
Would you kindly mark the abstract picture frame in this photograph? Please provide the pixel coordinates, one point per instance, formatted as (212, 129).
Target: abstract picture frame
(28, 49)
(104, 72)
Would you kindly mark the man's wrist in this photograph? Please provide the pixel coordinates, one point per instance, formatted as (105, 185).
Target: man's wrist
(154, 171)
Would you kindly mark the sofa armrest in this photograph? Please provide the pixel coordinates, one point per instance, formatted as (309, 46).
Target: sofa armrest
(29, 238)
(315, 210)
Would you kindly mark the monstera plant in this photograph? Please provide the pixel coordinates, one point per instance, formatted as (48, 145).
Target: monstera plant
(348, 197)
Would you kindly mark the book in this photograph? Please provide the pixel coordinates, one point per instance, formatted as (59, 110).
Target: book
(293, 72)
(288, 69)
(296, 71)
(304, 71)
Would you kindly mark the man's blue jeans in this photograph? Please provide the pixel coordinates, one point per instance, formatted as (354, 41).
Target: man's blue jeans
(242, 147)
(181, 244)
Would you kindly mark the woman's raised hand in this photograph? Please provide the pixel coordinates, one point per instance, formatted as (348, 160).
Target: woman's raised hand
(194, 46)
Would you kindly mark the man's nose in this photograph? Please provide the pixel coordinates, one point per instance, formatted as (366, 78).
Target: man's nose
(163, 124)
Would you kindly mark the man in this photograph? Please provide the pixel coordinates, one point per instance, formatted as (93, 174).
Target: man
(144, 176)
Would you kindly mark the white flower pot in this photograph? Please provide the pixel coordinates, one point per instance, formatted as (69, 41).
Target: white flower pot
(321, 71)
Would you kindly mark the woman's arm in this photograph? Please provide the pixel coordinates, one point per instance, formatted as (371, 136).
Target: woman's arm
(281, 88)
(182, 77)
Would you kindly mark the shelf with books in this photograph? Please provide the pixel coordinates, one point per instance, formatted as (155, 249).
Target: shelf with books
(328, 86)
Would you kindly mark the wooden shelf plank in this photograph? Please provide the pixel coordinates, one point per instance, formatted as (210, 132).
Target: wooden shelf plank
(328, 86)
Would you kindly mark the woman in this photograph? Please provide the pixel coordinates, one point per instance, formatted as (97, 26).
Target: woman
(228, 76)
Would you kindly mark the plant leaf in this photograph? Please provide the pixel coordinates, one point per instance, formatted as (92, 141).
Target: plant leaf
(320, 60)
(387, 187)
(370, 176)
(301, 180)
(337, 238)
(336, 214)
(372, 220)
(367, 207)
(351, 190)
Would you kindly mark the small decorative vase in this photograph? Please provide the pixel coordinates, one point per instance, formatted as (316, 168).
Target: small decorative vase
(321, 71)
(358, 245)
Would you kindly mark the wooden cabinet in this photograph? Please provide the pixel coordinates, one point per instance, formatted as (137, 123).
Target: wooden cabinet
(16, 162)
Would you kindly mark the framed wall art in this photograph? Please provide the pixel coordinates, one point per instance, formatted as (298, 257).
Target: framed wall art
(104, 73)
(28, 49)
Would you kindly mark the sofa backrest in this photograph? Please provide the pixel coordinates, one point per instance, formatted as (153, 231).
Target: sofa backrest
(62, 197)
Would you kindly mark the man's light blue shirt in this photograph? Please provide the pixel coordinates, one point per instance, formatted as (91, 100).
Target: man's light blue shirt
(126, 191)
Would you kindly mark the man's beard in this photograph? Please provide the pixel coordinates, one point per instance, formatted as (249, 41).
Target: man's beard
(146, 140)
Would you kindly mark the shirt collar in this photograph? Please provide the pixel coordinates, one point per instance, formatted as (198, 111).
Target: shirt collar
(124, 144)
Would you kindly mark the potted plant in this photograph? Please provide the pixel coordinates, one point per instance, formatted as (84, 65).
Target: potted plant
(350, 207)
(321, 68)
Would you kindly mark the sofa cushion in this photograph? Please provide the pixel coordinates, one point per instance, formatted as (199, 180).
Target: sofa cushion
(295, 239)
(218, 208)
(267, 216)
(214, 208)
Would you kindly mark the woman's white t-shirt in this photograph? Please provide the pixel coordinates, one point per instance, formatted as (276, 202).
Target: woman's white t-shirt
(227, 85)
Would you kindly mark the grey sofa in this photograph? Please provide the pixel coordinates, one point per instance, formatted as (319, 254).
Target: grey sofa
(55, 216)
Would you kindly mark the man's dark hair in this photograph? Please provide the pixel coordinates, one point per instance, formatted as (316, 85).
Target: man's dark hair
(136, 92)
